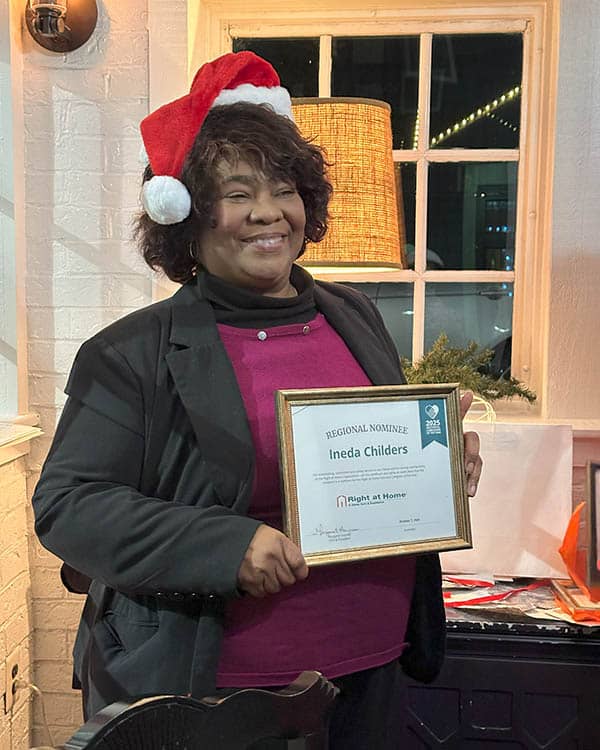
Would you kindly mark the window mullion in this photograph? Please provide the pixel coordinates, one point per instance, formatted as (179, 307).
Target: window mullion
(421, 216)
(325, 65)
(421, 145)
(418, 342)
(424, 91)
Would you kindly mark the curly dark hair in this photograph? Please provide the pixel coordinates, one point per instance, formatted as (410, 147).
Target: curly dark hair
(247, 132)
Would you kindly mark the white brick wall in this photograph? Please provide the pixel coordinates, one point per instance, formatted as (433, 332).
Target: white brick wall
(82, 183)
(15, 581)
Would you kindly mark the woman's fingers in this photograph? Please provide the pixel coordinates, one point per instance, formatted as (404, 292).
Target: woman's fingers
(295, 560)
(271, 561)
(473, 462)
(271, 584)
(284, 575)
(465, 403)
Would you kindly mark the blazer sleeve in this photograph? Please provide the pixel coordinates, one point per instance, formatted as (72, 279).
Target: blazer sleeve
(88, 508)
(426, 630)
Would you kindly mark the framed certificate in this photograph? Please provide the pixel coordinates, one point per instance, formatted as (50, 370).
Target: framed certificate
(369, 472)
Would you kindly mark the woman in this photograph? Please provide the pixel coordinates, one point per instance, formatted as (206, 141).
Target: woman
(162, 485)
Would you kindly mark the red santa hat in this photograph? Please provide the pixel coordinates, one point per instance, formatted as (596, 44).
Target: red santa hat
(170, 131)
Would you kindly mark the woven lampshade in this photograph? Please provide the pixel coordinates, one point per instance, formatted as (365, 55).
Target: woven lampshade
(356, 136)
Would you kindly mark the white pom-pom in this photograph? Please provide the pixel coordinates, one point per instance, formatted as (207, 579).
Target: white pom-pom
(166, 200)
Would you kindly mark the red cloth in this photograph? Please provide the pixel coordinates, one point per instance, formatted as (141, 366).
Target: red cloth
(343, 618)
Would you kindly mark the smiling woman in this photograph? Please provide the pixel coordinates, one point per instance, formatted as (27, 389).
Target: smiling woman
(163, 484)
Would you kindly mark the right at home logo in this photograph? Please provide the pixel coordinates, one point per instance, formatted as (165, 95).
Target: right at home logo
(378, 498)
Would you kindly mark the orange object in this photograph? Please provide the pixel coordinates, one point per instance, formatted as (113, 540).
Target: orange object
(574, 551)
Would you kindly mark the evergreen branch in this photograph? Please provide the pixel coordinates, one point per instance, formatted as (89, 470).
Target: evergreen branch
(468, 366)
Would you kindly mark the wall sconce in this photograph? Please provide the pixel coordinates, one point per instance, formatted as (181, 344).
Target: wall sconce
(61, 25)
(364, 227)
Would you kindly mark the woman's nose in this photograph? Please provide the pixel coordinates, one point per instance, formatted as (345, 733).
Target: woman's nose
(265, 210)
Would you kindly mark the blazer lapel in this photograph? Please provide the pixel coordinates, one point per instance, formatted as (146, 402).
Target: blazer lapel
(205, 381)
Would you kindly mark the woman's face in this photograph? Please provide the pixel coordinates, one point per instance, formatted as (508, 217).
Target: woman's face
(257, 232)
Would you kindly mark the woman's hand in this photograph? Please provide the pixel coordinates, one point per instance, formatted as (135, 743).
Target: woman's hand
(271, 561)
(473, 462)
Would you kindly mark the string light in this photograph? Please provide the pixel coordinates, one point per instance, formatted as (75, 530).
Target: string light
(485, 111)
(502, 121)
(416, 133)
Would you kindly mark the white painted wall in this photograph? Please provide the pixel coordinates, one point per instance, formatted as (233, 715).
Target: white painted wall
(82, 168)
(574, 343)
(82, 173)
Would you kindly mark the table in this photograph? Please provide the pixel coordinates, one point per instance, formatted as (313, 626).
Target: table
(509, 682)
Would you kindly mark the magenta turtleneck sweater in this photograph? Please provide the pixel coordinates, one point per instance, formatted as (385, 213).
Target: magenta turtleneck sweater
(345, 617)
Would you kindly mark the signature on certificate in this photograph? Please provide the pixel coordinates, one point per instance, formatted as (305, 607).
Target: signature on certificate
(336, 534)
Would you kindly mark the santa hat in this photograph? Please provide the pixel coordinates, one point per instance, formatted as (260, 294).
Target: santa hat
(170, 131)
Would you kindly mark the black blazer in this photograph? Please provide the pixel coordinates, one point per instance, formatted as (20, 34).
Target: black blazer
(146, 488)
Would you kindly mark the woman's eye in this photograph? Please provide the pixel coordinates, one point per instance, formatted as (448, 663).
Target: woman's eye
(236, 196)
(286, 191)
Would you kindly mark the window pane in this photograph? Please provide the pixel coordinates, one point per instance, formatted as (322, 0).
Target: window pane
(395, 303)
(469, 72)
(406, 186)
(472, 312)
(296, 61)
(471, 216)
(385, 68)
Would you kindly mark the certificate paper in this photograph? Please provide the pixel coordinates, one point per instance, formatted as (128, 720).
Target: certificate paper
(376, 471)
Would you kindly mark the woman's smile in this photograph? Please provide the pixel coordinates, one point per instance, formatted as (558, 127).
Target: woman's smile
(266, 241)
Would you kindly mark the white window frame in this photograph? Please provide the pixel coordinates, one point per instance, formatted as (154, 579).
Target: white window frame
(211, 25)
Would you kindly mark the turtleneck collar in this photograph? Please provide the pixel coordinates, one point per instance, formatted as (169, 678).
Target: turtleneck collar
(245, 309)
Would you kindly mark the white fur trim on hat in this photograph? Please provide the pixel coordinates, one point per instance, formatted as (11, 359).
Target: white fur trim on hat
(166, 200)
(276, 96)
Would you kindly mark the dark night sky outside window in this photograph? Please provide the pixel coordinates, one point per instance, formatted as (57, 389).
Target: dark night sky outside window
(472, 214)
(469, 71)
(296, 61)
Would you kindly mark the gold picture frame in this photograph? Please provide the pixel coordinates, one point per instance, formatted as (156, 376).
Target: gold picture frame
(357, 463)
